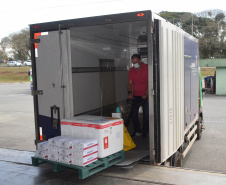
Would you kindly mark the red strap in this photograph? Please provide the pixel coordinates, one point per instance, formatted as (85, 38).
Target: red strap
(89, 154)
(91, 125)
(89, 161)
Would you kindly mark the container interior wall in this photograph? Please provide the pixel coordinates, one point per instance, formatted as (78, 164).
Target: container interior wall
(100, 57)
(171, 52)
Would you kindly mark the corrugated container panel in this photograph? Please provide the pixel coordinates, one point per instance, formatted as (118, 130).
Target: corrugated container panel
(191, 81)
(171, 88)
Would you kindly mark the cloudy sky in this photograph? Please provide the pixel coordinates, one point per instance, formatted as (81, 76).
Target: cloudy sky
(18, 14)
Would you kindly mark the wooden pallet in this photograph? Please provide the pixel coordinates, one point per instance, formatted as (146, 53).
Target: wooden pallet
(86, 171)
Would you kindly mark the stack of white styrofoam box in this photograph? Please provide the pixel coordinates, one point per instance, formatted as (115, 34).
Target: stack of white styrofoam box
(85, 152)
(42, 151)
(70, 150)
(66, 149)
(78, 151)
(86, 160)
(53, 154)
(108, 132)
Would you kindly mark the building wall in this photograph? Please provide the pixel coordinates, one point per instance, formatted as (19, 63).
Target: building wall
(212, 62)
(220, 81)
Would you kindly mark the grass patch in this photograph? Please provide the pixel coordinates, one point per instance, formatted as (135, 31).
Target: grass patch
(205, 71)
(20, 74)
(14, 74)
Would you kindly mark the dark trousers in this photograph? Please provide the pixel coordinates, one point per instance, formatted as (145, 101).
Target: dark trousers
(135, 119)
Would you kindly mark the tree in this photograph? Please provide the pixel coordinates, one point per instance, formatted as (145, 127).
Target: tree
(20, 44)
(5, 42)
(219, 17)
(175, 17)
(210, 13)
(220, 21)
(3, 55)
(209, 31)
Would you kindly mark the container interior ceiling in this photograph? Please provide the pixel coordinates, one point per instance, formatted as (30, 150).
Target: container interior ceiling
(101, 59)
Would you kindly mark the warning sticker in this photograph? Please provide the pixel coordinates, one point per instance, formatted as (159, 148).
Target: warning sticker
(105, 142)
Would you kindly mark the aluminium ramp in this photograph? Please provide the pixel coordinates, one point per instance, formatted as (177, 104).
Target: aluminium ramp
(132, 157)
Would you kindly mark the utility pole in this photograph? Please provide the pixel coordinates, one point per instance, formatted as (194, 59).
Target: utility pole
(192, 24)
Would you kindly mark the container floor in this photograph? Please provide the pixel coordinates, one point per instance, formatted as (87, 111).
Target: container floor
(140, 154)
(142, 143)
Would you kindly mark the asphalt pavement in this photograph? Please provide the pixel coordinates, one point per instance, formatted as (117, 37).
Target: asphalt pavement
(209, 152)
(17, 127)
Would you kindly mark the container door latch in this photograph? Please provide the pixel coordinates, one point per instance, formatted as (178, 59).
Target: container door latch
(55, 122)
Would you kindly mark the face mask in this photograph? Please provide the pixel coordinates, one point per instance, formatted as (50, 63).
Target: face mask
(136, 65)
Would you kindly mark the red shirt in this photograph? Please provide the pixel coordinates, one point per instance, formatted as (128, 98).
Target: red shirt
(140, 79)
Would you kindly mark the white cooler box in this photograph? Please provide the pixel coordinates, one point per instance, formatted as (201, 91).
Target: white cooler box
(108, 132)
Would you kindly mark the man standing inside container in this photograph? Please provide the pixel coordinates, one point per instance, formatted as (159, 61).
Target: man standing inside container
(138, 89)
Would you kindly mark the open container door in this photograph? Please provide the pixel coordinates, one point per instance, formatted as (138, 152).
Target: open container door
(169, 85)
(53, 81)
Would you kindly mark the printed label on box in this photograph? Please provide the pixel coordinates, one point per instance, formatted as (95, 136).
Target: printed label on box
(105, 142)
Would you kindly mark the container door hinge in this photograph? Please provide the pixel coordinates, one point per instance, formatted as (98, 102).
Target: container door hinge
(60, 26)
(152, 31)
(34, 41)
(36, 141)
(37, 92)
(153, 92)
(39, 141)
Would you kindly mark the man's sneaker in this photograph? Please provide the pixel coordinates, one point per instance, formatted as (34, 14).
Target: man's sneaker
(136, 134)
